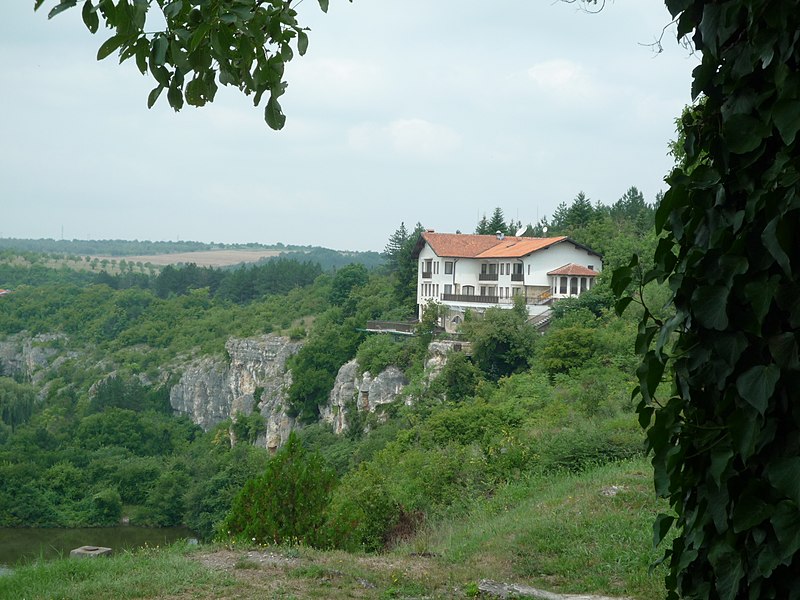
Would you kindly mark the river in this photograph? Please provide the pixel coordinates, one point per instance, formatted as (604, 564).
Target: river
(22, 545)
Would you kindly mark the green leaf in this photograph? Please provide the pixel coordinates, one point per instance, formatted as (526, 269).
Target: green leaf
(153, 96)
(158, 50)
(59, 8)
(784, 476)
(756, 385)
(90, 18)
(728, 569)
(302, 42)
(786, 116)
(323, 4)
(622, 304)
(743, 133)
(661, 527)
(786, 522)
(720, 459)
(175, 97)
(772, 238)
(709, 304)
(274, 115)
(783, 348)
(109, 46)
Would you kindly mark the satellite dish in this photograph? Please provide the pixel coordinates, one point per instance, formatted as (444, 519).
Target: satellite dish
(544, 230)
(521, 230)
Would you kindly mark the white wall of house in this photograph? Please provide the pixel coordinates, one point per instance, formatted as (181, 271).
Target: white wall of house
(539, 263)
(437, 276)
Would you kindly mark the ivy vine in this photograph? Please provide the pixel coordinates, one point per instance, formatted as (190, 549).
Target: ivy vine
(725, 436)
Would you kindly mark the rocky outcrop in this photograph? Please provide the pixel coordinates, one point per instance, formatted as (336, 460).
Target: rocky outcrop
(437, 356)
(361, 390)
(213, 389)
(30, 358)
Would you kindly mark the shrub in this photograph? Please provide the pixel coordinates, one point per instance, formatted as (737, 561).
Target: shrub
(287, 502)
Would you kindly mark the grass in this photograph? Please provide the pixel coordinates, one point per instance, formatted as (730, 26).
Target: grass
(558, 533)
(153, 573)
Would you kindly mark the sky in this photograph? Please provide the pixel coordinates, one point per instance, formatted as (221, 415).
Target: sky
(416, 111)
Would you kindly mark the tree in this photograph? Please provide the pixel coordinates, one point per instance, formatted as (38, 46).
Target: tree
(399, 253)
(203, 43)
(725, 437)
(287, 502)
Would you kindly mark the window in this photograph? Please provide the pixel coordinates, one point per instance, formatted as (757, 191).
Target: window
(448, 288)
(516, 291)
(436, 267)
(563, 289)
(529, 269)
(573, 285)
(502, 269)
(518, 269)
(508, 268)
(468, 290)
(448, 267)
(590, 267)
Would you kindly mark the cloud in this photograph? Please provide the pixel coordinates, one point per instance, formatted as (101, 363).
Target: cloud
(411, 138)
(566, 80)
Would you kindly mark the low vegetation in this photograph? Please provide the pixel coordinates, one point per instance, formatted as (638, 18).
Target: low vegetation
(471, 474)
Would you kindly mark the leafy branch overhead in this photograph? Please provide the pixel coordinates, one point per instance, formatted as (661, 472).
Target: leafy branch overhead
(191, 46)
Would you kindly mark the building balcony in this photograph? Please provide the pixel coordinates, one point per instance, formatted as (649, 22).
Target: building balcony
(427, 274)
(470, 298)
(487, 277)
(543, 298)
(516, 277)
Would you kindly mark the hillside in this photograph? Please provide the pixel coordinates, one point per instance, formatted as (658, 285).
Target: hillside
(224, 399)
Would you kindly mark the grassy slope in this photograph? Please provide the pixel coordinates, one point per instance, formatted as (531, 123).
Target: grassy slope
(559, 533)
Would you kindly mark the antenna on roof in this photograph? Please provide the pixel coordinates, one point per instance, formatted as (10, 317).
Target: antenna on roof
(520, 231)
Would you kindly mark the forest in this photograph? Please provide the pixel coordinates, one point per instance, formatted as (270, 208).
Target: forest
(97, 440)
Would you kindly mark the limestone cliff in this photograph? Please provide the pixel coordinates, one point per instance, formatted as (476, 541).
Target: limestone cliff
(30, 358)
(365, 391)
(213, 389)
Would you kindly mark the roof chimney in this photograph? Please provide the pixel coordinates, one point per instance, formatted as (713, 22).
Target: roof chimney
(500, 235)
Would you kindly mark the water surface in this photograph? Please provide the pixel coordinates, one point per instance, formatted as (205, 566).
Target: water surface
(24, 545)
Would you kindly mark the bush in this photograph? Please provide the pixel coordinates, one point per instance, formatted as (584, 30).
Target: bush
(106, 507)
(378, 352)
(286, 503)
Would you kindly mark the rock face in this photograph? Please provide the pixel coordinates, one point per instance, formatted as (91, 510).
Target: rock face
(30, 357)
(365, 391)
(437, 356)
(212, 390)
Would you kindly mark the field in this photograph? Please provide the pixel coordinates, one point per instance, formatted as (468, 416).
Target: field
(204, 258)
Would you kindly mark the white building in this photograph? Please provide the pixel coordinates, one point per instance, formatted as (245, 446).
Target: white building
(476, 272)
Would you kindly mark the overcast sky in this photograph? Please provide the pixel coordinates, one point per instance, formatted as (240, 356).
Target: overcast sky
(434, 111)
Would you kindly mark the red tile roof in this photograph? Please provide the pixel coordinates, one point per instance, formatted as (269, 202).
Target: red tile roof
(458, 245)
(573, 269)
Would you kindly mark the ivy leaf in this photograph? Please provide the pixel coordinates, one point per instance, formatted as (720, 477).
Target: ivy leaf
(661, 527)
(728, 569)
(786, 522)
(709, 304)
(772, 238)
(743, 133)
(756, 385)
(783, 476)
(783, 348)
(786, 116)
